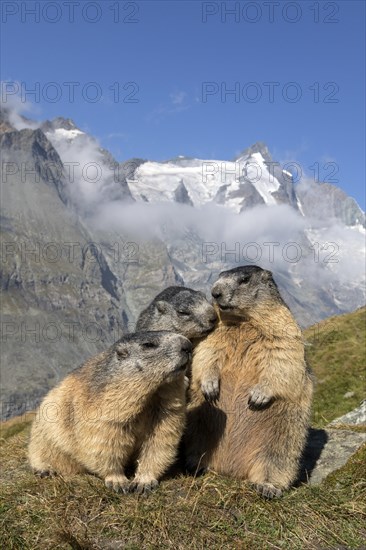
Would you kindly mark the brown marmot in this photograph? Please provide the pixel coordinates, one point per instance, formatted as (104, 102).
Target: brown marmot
(255, 425)
(179, 309)
(184, 311)
(116, 410)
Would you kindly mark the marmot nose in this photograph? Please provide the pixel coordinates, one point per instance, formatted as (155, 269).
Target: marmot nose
(186, 346)
(216, 293)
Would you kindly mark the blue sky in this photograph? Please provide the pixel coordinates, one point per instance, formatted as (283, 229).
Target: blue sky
(297, 68)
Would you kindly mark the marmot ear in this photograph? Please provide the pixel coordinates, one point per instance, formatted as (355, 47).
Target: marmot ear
(122, 351)
(161, 306)
(266, 275)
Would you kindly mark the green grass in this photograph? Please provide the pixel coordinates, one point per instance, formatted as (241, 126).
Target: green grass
(14, 426)
(337, 356)
(211, 512)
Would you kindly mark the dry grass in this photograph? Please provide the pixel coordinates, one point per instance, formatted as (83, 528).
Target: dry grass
(212, 512)
(208, 512)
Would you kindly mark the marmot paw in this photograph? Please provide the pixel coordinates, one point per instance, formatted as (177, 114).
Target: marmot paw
(45, 473)
(118, 483)
(267, 490)
(259, 397)
(143, 486)
(211, 389)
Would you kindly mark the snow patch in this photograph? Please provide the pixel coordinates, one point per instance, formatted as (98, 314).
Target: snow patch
(299, 206)
(203, 179)
(61, 133)
(288, 174)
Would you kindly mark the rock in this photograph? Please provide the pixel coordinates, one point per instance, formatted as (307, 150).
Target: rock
(181, 194)
(335, 447)
(357, 417)
(330, 449)
(328, 201)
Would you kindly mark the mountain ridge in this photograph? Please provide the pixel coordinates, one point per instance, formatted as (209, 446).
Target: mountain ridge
(94, 251)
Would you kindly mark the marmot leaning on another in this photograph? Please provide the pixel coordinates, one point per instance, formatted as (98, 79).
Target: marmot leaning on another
(182, 310)
(255, 357)
(117, 409)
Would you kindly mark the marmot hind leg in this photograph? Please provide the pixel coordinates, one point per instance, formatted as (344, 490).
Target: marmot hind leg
(49, 460)
(270, 479)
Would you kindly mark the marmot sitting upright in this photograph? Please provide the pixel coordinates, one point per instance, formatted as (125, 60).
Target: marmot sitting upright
(254, 360)
(117, 409)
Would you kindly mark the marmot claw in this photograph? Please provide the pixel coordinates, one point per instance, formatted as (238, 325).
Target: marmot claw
(267, 490)
(143, 487)
(259, 397)
(119, 484)
(45, 473)
(211, 390)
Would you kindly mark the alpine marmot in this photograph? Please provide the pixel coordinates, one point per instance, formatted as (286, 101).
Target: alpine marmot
(115, 411)
(255, 422)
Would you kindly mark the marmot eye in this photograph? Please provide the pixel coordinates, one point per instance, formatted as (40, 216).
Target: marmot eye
(184, 313)
(245, 279)
(150, 345)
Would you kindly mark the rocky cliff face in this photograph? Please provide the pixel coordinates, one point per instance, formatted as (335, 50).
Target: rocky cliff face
(87, 242)
(94, 176)
(55, 286)
(328, 202)
(65, 291)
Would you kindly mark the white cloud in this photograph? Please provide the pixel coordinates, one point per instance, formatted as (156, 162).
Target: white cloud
(178, 98)
(183, 227)
(17, 107)
(177, 104)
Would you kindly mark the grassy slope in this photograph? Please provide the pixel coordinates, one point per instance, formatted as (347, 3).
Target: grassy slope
(337, 355)
(209, 512)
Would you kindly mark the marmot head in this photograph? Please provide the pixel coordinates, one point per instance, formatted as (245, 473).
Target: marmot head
(162, 354)
(181, 310)
(241, 290)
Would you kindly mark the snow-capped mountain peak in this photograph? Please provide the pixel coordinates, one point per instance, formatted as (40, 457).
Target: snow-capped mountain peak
(238, 184)
(60, 129)
(258, 147)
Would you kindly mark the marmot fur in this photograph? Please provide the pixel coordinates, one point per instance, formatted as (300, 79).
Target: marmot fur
(256, 424)
(116, 410)
(181, 310)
